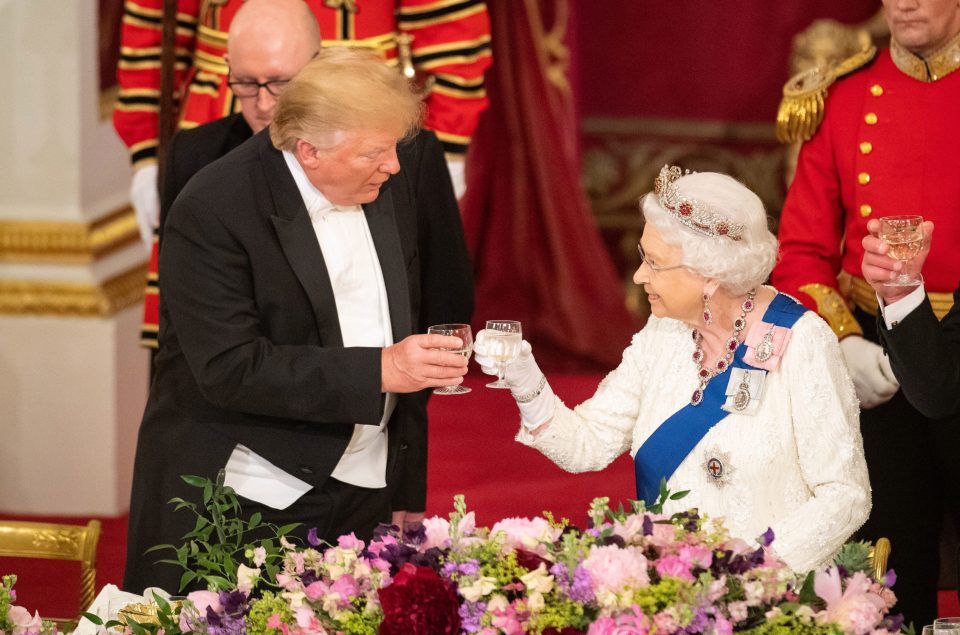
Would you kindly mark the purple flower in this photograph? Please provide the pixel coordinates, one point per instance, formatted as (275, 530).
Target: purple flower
(890, 579)
(312, 537)
(582, 588)
(647, 525)
(766, 537)
(470, 614)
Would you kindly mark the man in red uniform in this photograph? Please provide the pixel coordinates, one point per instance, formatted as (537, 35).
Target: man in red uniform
(887, 145)
(445, 42)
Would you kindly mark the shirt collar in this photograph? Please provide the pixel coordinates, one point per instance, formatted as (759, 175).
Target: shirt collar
(318, 206)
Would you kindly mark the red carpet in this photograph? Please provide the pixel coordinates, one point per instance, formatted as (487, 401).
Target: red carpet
(472, 452)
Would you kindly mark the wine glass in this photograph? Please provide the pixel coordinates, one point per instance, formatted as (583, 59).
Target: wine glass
(945, 625)
(503, 340)
(466, 336)
(904, 237)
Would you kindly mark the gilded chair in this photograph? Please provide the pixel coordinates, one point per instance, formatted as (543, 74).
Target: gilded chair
(53, 541)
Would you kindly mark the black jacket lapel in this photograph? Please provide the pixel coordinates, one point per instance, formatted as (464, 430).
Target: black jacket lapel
(381, 219)
(299, 242)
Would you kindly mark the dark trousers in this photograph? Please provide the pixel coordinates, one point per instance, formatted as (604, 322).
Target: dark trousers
(914, 469)
(334, 510)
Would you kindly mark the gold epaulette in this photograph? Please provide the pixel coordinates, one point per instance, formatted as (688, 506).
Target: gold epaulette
(833, 308)
(801, 109)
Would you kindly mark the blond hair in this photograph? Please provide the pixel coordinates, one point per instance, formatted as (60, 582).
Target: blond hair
(344, 90)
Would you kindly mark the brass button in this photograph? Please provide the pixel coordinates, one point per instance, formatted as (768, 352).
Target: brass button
(866, 147)
(870, 118)
(865, 210)
(876, 90)
(863, 178)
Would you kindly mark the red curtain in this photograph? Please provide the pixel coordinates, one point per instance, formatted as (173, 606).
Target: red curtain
(538, 256)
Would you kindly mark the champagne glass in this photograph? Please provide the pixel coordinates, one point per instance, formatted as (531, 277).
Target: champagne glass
(503, 340)
(904, 237)
(466, 336)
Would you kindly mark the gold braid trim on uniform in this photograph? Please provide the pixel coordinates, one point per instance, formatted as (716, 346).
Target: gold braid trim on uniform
(801, 109)
(833, 308)
(865, 297)
(935, 66)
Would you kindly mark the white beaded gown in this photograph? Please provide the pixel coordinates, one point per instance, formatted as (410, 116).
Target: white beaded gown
(796, 466)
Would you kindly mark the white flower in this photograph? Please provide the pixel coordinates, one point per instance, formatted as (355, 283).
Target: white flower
(484, 585)
(259, 556)
(247, 578)
(538, 580)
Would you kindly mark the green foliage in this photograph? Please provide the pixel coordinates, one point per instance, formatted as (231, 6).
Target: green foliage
(261, 609)
(793, 624)
(221, 540)
(560, 614)
(855, 556)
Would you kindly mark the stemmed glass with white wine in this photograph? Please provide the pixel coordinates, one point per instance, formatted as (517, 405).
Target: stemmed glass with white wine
(466, 336)
(502, 341)
(904, 237)
(943, 626)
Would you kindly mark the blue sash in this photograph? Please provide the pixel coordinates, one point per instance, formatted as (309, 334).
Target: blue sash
(669, 445)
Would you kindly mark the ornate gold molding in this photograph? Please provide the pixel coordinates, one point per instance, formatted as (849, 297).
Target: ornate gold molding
(28, 297)
(67, 242)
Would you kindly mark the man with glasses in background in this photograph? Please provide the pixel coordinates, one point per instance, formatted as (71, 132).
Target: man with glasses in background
(270, 42)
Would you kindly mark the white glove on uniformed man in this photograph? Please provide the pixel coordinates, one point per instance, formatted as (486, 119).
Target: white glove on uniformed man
(145, 198)
(458, 176)
(870, 371)
(529, 386)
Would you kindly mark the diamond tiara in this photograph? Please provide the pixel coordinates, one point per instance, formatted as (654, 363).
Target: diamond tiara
(698, 216)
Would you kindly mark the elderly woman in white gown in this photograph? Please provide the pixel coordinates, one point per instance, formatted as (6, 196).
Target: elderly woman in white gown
(731, 390)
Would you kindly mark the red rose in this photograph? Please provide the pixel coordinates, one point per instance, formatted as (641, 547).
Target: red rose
(419, 602)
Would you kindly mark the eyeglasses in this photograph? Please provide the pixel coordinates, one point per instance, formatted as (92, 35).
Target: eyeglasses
(252, 89)
(654, 268)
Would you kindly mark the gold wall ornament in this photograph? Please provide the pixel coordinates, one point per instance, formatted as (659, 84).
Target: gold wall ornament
(623, 156)
(65, 241)
(66, 299)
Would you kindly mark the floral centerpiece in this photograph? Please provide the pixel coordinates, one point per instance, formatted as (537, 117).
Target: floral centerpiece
(635, 571)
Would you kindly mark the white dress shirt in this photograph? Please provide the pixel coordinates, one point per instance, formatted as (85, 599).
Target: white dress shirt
(895, 312)
(362, 309)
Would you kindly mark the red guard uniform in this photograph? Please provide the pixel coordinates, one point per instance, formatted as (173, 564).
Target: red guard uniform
(449, 45)
(888, 144)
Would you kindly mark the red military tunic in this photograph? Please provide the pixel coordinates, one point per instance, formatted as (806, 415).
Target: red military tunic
(449, 43)
(887, 145)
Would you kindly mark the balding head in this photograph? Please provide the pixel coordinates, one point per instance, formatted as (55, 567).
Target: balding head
(269, 40)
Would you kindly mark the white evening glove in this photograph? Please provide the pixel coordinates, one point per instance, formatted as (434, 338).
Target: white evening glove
(145, 198)
(529, 386)
(870, 371)
(458, 176)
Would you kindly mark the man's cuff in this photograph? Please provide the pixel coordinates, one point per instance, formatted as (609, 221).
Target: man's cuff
(895, 312)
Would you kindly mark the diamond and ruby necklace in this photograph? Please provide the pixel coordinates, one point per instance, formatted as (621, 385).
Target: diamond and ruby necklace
(704, 375)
